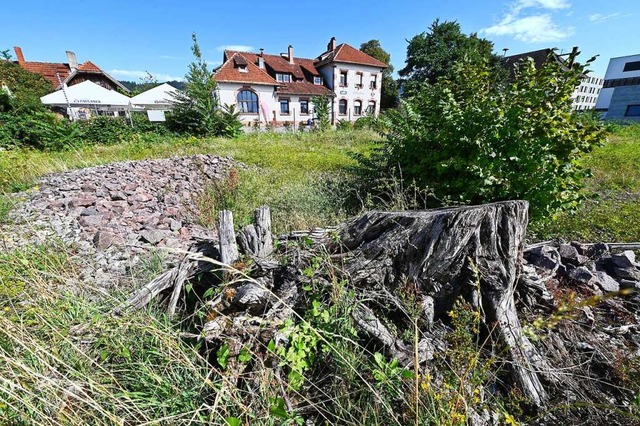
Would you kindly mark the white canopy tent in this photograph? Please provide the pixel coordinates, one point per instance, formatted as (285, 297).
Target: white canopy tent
(83, 99)
(155, 101)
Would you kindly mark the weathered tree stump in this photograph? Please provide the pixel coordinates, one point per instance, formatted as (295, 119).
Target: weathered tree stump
(439, 252)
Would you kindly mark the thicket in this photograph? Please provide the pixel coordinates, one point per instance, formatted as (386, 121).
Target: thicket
(470, 136)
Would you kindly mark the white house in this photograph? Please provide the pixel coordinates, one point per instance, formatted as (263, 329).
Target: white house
(620, 95)
(279, 89)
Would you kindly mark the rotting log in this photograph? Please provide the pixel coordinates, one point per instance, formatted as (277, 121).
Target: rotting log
(256, 239)
(446, 253)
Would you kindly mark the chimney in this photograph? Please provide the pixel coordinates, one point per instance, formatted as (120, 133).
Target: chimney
(19, 55)
(261, 59)
(73, 62)
(332, 44)
(290, 54)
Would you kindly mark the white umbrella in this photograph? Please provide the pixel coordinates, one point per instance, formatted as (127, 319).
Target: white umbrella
(86, 94)
(160, 97)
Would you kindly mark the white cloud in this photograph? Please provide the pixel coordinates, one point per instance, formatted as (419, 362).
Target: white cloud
(143, 74)
(536, 28)
(530, 29)
(544, 4)
(599, 17)
(237, 47)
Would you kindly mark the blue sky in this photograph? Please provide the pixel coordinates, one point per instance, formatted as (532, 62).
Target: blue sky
(129, 37)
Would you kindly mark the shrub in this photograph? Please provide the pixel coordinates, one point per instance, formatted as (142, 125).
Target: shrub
(344, 125)
(471, 139)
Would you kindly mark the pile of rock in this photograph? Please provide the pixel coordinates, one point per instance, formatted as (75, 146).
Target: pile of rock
(112, 213)
(592, 266)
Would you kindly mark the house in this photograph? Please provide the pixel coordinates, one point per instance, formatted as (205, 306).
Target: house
(620, 95)
(584, 96)
(70, 72)
(280, 88)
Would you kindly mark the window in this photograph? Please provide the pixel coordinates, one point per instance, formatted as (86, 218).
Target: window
(360, 83)
(247, 102)
(342, 107)
(374, 82)
(357, 108)
(283, 78)
(343, 78)
(284, 106)
(371, 108)
(632, 66)
(633, 111)
(317, 80)
(304, 106)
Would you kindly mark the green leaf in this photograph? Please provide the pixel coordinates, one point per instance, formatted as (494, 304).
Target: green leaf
(233, 421)
(223, 355)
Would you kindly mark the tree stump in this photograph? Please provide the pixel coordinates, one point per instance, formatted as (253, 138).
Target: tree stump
(446, 253)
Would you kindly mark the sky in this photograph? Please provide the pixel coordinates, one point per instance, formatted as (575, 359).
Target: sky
(128, 38)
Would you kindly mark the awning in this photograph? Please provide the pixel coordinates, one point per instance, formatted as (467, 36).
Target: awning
(86, 94)
(160, 97)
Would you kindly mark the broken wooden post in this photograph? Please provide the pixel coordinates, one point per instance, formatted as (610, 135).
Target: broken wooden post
(227, 238)
(256, 239)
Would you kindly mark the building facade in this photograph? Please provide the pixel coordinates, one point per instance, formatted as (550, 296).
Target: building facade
(279, 89)
(586, 94)
(620, 95)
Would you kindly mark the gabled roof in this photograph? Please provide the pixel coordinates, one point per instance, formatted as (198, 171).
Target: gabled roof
(52, 70)
(348, 54)
(49, 70)
(302, 70)
(228, 72)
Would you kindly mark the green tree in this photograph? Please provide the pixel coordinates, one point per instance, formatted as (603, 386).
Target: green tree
(194, 111)
(389, 95)
(26, 87)
(471, 140)
(432, 55)
(321, 109)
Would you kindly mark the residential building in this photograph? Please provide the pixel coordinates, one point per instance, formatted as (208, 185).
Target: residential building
(70, 72)
(620, 95)
(280, 89)
(586, 94)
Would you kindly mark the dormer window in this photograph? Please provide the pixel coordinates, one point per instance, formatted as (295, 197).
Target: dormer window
(317, 80)
(283, 78)
(240, 63)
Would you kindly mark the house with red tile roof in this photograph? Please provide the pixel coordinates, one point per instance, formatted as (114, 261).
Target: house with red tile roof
(70, 72)
(280, 89)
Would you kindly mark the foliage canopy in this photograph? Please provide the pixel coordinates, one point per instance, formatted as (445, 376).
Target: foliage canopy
(472, 139)
(389, 95)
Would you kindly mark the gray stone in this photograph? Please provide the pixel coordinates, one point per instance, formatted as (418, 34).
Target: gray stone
(82, 201)
(606, 282)
(629, 285)
(175, 225)
(631, 273)
(581, 275)
(626, 259)
(569, 254)
(153, 236)
(90, 221)
(547, 258)
(105, 239)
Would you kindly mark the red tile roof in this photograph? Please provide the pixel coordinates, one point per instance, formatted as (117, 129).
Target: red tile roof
(349, 54)
(229, 73)
(48, 70)
(89, 66)
(304, 88)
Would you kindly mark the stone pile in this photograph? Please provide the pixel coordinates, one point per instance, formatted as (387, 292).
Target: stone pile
(112, 214)
(591, 266)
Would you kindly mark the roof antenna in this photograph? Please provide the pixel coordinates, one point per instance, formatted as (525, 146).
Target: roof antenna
(504, 51)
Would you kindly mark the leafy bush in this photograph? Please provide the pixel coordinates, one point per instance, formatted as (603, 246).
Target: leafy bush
(471, 139)
(344, 125)
(321, 108)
